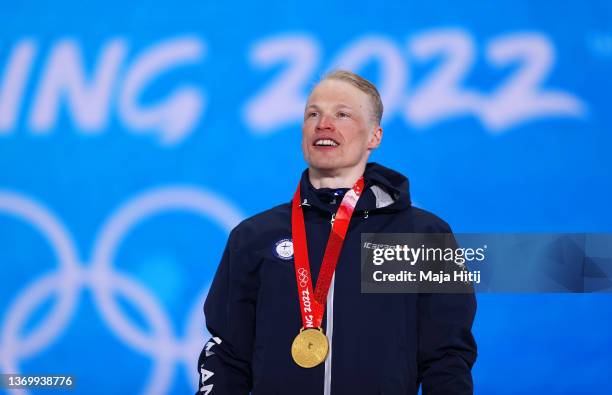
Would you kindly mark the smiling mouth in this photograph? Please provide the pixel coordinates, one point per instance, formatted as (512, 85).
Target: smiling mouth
(325, 143)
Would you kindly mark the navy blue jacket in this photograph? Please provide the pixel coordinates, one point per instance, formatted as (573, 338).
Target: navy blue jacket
(379, 343)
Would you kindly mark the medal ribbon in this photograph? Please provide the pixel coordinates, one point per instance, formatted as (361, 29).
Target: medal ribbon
(312, 304)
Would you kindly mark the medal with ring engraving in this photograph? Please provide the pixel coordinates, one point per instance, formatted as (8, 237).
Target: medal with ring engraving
(309, 348)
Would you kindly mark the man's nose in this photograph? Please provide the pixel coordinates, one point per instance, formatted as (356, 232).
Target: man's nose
(325, 123)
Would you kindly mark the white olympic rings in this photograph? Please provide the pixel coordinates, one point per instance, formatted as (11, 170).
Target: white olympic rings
(303, 277)
(73, 276)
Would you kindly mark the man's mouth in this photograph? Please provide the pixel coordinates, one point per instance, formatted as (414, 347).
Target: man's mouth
(325, 143)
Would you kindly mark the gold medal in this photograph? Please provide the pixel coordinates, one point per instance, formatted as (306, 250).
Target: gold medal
(309, 348)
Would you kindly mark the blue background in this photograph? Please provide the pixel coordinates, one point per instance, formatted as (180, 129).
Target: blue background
(546, 169)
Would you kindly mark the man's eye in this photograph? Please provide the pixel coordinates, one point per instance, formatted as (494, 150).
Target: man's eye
(343, 115)
(311, 114)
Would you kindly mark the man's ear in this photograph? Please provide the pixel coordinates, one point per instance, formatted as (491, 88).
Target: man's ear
(376, 137)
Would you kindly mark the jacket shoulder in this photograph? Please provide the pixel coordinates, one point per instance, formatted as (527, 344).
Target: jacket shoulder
(427, 222)
(265, 218)
(263, 224)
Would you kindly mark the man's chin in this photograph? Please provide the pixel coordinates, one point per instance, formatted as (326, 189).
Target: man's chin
(324, 167)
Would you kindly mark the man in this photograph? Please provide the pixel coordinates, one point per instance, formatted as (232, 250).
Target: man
(271, 292)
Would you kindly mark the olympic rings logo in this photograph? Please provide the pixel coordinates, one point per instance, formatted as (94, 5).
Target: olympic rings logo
(302, 277)
(106, 284)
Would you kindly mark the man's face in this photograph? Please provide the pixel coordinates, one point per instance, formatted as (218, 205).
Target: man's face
(338, 131)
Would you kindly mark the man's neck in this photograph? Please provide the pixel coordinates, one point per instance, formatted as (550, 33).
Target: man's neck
(335, 179)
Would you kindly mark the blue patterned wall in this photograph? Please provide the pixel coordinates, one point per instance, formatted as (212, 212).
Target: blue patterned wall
(134, 136)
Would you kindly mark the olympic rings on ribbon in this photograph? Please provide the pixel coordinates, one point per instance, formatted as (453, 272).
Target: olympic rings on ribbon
(303, 277)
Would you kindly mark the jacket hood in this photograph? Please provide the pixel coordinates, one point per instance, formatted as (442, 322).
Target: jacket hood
(385, 188)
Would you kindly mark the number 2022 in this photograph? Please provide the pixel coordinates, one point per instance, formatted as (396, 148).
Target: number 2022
(518, 98)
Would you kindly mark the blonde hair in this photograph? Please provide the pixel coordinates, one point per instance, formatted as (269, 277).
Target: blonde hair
(363, 85)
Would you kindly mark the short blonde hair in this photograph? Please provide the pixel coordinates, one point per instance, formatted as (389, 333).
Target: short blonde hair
(363, 85)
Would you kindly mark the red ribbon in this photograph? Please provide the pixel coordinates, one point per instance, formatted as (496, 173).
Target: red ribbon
(312, 304)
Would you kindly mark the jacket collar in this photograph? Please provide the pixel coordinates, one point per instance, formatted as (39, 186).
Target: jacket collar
(385, 188)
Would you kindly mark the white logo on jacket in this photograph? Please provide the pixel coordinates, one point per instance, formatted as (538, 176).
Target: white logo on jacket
(283, 249)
